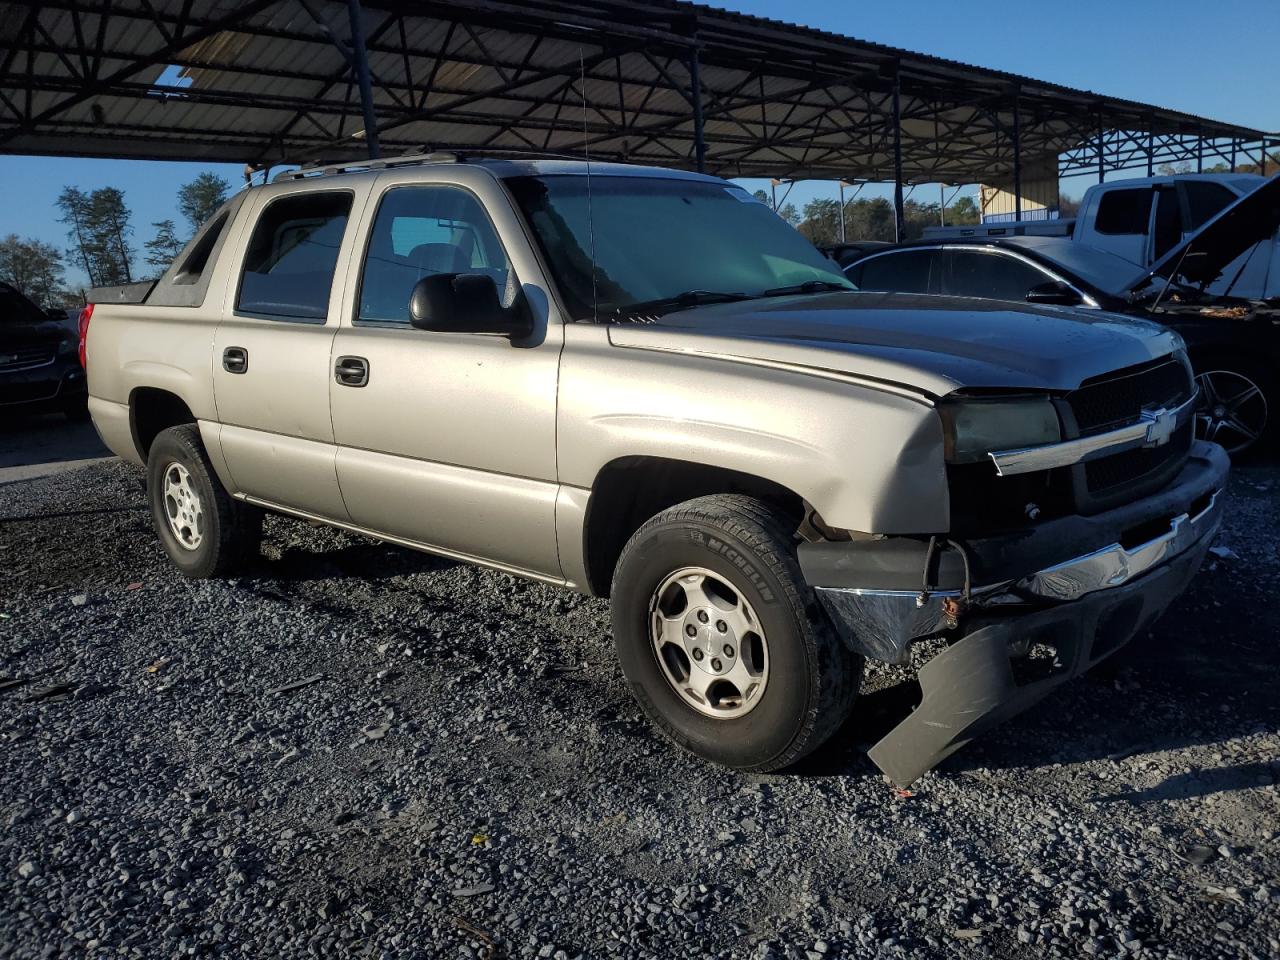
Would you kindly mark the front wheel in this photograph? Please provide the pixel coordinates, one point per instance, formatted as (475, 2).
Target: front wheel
(204, 531)
(1237, 406)
(721, 640)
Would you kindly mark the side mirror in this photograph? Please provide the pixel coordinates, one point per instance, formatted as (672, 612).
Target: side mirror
(1055, 292)
(466, 303)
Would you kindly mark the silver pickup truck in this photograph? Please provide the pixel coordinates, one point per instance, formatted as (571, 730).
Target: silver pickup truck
(642, 384)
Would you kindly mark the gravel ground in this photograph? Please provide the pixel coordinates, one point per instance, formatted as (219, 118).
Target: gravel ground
(354, 750)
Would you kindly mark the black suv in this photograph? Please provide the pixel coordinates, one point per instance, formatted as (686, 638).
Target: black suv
(40, 369)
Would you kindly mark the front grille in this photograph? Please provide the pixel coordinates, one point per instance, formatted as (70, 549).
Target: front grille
(21, 358)
(1133, 466)
(1116, 400)
(1105, 403)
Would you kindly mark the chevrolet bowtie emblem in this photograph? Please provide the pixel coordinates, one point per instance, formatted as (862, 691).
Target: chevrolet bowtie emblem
(1160, 426)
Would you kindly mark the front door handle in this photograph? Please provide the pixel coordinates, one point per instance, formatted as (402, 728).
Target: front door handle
(235, 360)
(351, 371)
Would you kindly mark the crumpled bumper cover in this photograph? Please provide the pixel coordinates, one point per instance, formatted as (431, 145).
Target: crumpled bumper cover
(1079, 588)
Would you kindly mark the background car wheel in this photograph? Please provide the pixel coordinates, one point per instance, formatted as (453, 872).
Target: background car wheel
(1237, 406)
(722, 641)
(203, 529)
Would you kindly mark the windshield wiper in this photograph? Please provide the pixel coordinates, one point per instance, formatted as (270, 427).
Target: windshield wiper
(809, 286)
(689, 298)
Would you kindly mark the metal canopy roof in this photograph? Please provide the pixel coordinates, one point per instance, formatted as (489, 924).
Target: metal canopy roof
(273, 81)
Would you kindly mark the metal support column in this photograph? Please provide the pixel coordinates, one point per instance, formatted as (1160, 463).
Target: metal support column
(842, 240)
(899, 216)
(1017, 158)
(1102, 169)
(1151, 152)
(1234, 143)
(1199, 151)
(360, 60)
(1262, 157)
(695, 96)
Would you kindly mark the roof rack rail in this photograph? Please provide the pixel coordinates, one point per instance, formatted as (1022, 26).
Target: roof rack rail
(351, 166)
(318, 169)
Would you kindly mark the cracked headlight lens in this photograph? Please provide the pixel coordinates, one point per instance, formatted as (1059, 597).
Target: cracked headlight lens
(973, 428)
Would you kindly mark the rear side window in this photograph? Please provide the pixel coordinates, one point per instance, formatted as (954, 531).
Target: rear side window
(288, 269)
(905, 272)
(1124, 211)
(422, 231)
(994, 276)
(1205, 200)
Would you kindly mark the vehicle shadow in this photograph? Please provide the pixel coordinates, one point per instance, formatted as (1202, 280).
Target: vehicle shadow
(366, 560)
(30, 441)
(1198, 783)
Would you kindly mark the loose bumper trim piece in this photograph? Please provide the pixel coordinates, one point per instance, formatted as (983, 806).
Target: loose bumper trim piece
(1152, 428)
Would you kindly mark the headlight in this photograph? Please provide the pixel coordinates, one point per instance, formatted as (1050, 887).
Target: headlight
(973, 428)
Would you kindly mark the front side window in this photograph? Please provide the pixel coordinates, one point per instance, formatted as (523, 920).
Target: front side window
(1205, 200)
(618, 244)
(905, 272)
(288, 269)
(1124, 211)
(993, 276)
(422, 231)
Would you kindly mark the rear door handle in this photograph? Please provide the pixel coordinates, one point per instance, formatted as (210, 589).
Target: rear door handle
(351, 371)
(235, 360)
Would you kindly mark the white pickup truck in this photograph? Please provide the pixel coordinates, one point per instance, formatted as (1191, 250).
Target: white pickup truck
(1140, 219)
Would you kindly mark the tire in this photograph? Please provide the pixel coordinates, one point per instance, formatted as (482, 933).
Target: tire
(809, 676)
(1224, 377)
(223, 533)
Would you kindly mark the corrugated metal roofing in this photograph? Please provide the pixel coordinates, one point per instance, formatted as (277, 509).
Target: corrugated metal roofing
(268, 82)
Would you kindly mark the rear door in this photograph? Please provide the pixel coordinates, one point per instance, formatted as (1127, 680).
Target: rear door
(897, 271)
(271, 357)
(449, 439)
(1120, 222)
(989, 274)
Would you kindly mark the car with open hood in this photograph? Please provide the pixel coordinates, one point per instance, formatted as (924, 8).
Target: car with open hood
(641, 384)
(1219, 288)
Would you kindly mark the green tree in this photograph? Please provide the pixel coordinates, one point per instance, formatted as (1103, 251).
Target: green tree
(868, 218)
(821, 223)
(33, 267)
(764, 198)
(201, 197)
(164, 246)
(110, 228)
(963, 211)
(74, 204)
(790, 214)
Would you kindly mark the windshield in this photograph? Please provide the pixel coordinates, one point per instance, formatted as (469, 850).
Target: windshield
(15, 308)
(663, 239)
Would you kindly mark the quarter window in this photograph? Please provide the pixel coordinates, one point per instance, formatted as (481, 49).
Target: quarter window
(288, 269)
(422, 231)
(1124, 211)
(1205, 200)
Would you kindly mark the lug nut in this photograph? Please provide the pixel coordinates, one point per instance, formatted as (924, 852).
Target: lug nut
(722, 626)
(716, 664)
(690, 630)
(702, 615)
(728, 650)
(697, 654)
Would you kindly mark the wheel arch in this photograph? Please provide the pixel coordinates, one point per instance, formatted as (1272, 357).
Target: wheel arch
(629, 490)
(151, 410)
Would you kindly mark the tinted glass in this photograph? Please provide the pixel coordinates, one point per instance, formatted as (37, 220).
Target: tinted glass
(1168, 233)
(422, 231)
(654, 238)
(1124, 211)
(995, 276)
(288, 270)
(905, 272)
(15, 308)
(1205, 200)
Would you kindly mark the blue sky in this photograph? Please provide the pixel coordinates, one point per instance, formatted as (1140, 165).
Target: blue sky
(1216, 60)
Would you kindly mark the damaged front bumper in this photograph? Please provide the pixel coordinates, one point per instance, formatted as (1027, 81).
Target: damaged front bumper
(1076, 589)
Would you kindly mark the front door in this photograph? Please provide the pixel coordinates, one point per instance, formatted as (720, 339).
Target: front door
(446, 439)
(271, 361)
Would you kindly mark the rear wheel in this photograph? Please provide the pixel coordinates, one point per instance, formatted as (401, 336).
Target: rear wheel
(721, 640)
(205, 532)
(1237, 405)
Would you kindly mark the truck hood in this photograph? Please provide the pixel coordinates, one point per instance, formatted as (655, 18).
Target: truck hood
(930, 345)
